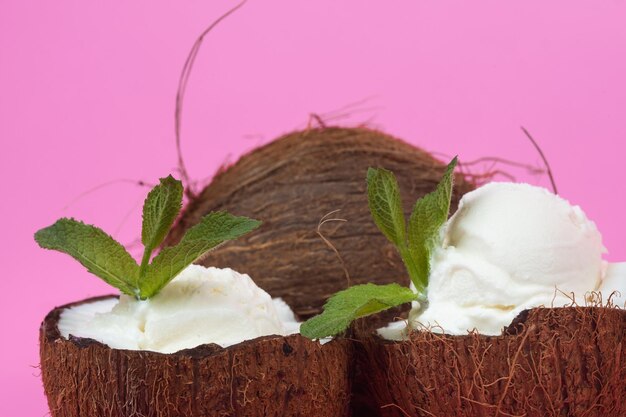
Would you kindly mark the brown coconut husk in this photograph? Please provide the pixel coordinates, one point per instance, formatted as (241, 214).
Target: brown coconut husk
(268, 376)
(291, 184)
(548, 362)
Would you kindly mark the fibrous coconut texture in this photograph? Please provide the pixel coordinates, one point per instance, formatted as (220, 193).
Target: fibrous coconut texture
(548, 362)
(291, 184)
(269, 376)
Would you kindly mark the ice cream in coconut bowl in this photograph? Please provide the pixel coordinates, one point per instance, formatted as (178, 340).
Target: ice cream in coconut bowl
(514, 311)
(181, 339)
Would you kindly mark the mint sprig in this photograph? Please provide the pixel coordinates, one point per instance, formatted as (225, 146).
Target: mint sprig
(107, 259)
(414, 241)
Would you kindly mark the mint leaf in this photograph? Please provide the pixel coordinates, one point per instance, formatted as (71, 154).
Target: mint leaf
(385, 204)
(355, 302)
(159, 212)
(213, 230)
(94, 249)
(429, 214)
(386, 208)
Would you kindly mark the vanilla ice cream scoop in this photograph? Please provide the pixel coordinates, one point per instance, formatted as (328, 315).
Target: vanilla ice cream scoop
(510, 247)
(201, 305)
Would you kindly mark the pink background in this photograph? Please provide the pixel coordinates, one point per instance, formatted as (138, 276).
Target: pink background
(87, 97)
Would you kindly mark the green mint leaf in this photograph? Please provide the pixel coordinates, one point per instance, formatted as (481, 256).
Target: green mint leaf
(385, 204)
(386, 208)
(159, 212)
(213, 230)
(352, 303)
(94, 249)
(429, 214)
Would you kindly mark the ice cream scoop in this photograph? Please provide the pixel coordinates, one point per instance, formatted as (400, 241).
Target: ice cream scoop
(510, 247)
(201, 305)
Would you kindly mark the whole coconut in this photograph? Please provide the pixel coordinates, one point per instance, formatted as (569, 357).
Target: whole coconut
(291, 184)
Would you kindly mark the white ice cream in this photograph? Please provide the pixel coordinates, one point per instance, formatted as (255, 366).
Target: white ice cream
(201, 305)
(507, 248)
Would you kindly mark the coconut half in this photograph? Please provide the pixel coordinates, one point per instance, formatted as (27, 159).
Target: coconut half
(267, 376)
(548, 362)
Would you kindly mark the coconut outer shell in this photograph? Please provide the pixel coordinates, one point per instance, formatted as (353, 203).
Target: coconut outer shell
(290, 184)
(268, 376)
(548, 362)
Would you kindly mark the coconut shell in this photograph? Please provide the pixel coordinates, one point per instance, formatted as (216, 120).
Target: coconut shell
(268, 376)
(548, 362)
(291, 184)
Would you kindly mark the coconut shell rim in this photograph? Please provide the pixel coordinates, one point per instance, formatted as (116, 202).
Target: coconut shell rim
(514, 329)
(49, 326)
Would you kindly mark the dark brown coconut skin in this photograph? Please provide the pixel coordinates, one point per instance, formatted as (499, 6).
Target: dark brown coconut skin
(269, 376)
(290, 184)
(548, 362)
